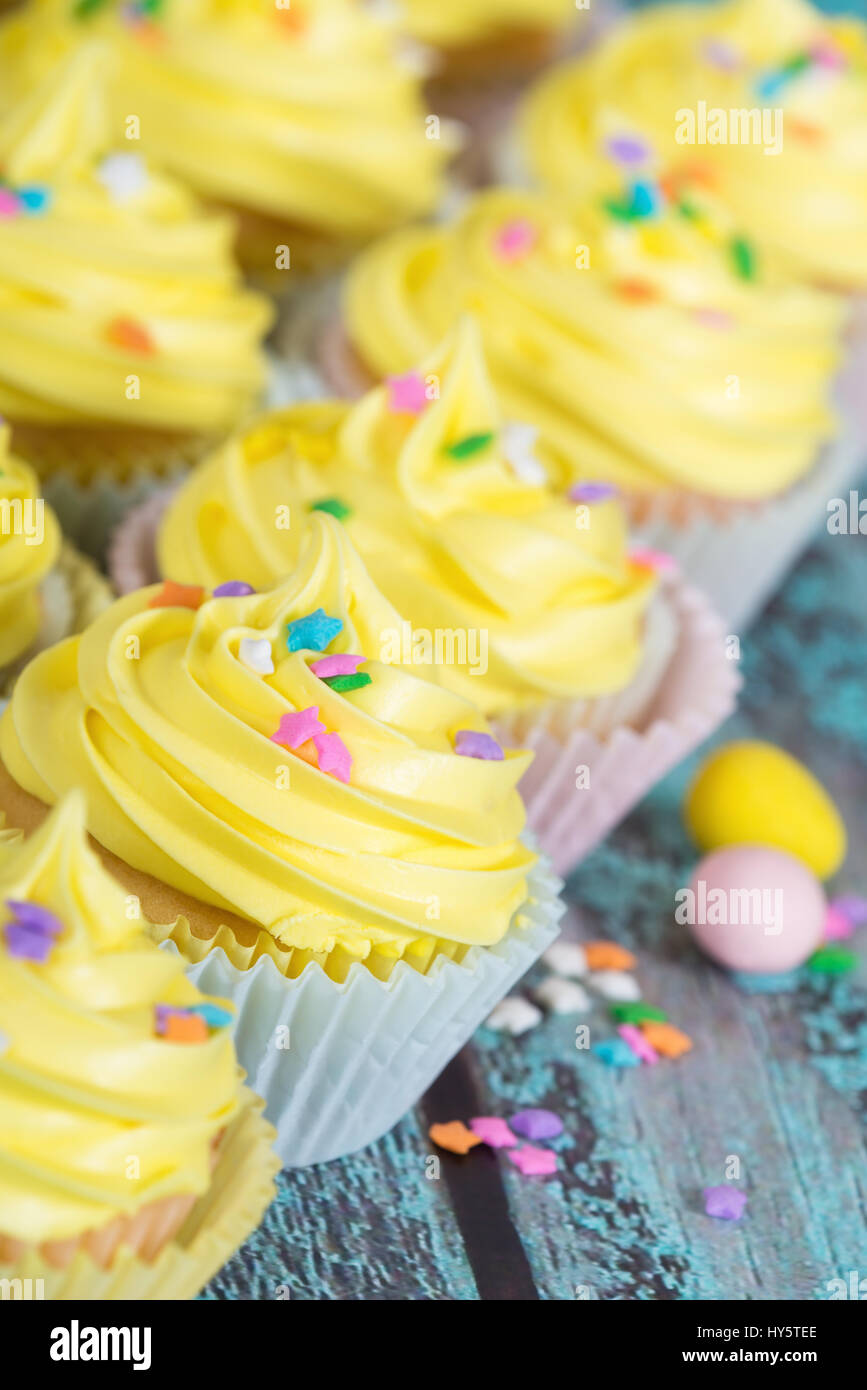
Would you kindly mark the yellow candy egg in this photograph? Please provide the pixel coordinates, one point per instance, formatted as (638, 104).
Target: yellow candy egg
(752, 793)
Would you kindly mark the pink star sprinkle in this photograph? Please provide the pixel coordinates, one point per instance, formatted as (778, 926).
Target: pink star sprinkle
(493, 1132)
(296, 728)
(515, 240)
(533, 1161)
(638, 1042)
(344, 665)
(406, 394)
(653, 560)
(9, 204)
(334, 756)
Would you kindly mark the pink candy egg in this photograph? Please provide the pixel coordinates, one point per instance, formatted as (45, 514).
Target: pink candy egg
(753, 908)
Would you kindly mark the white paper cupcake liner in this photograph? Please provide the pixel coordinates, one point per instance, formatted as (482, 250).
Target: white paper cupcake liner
(581, 783)
(362, 1053)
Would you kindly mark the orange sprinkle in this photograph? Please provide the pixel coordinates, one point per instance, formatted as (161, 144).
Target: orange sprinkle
(638, 291)
(173, 595)
(307, 751)
(454, 1136)
(291, 19)
(130, 335)
(186, 1028)
(701, 173)
(665, 1038)
(607, 955)
(803, 130)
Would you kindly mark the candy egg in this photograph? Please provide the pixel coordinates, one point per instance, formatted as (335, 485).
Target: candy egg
(754, 909)
(752, 793)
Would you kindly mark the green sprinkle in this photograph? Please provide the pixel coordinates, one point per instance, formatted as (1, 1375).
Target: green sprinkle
(621, 208)
(473, 444)
(333, 506)
(342, 683)
(798, 63)
(743, 257)
(83, 9)
(638, 1013)
(832, 960)
(688, 210)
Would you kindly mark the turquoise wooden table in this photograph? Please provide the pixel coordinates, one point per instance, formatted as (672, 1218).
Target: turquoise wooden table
(778, 1082)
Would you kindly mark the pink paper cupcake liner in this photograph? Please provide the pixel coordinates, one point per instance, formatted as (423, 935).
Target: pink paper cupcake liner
(132, 559)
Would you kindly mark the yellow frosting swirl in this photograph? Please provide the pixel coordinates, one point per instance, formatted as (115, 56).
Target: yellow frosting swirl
(808, 200)
(635, 346)
(532, 598)
(29, 547)
(154, 712)
(119, 298)
(99, 1114)
(453, 23)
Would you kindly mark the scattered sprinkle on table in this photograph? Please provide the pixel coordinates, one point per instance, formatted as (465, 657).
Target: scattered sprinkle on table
(639, 1043)
(562, 996)
(454, 1136)
(566, 958)
(533, 1162)
(514, 1015)
(494, 1132)
(615, 1052)
(832, 960)
(724, 1202)
(615, 984)
(638, 1013)
(537, 1124)
(472, 743)
(607, 955)
(313, 632)
(665, 1039)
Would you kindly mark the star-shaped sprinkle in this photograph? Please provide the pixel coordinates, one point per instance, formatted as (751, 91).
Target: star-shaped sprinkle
(296, 728)
(628, 149)
(313, 632)
(519, 443)
(592, 492)
(515, 240)
(343, 684)
(665, 1039)
(345, 664)
(454, 1136)
(123, 176)
(727, 1203)
(307, 751)
(214, 1016)
(649, 559)
(533, 1162)
(615, 1052)
(638, 1042)
(255, 653)
(493, 1131)
(233, 588)
(514, 1015)
(130, 335)
(172, 595)
(469, 446)
(566, 958)
(607, 955)
(837, 926)
(35, 199)
(407, 394)
(333, 506)
(9, 204)
(537, 1124)
(334, 756)
(562, 996)
(32, 932)
(471, 743)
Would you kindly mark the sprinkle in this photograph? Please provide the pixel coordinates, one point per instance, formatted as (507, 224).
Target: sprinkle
(519, 442)
(28, 939)
(307, 751)
(233, 588)
(725, 1202)
(804, 131)
(636, 291)
(407, 394)
(123, 176)
(638, 1013)
(471, 743)
(214, 1016)
(666, 1039)
(773, 81)
(299, 726)
(256, 655)
(9, 204)
(454, 1136)
(494, 1132)
(35, 199)
(515, 240)
(615, 1052)
(721, 54)
(653, 559)
(186, 1028)
(471, 444)
(343, 665)
(853, 907)
(592, 492)
(562, 996)
(743, 258)
(607, 955)
(162, 1014)
(832, 960)
(333, 506)
(514, 1015)
(628, 149)
(837, 925)
(614, 984)
(84, 8)
(173, 595)
(343, 684)
(334, 756)
(754, 982)
(713, 318)
(533, 1162)
(130, 335)
(537, 1124)
(313, 632)
(639, 1044)
(566, 958)
(826, 55)
(35, 917)
(645, 199)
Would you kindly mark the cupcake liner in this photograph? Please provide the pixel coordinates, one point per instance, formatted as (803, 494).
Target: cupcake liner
(132, 558)
(221, 1219)
(339, 1064)
(696, 693)
(72, 595)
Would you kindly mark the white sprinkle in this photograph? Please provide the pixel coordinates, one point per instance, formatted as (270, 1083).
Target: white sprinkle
(566, 958)
(615, 984)
(515, 1015)
(123, 175)
(519, 442)
(255, 653)
(562, 996)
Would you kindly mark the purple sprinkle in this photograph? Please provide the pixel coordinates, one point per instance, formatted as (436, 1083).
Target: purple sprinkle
(27, 944)
(35, 917)
(721, 54)
(233, 588)
(469, 743)
(592, 492)
(852, 907)
(537, 1124)
(726, 1202)
(628, 149)
(163, 1012)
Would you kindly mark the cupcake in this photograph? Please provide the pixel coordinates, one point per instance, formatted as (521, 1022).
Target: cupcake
(132, 1161)
(520, 597)
(766, 100)
(47, 590)
(650, 344)
(128, 341)
(332, 835)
